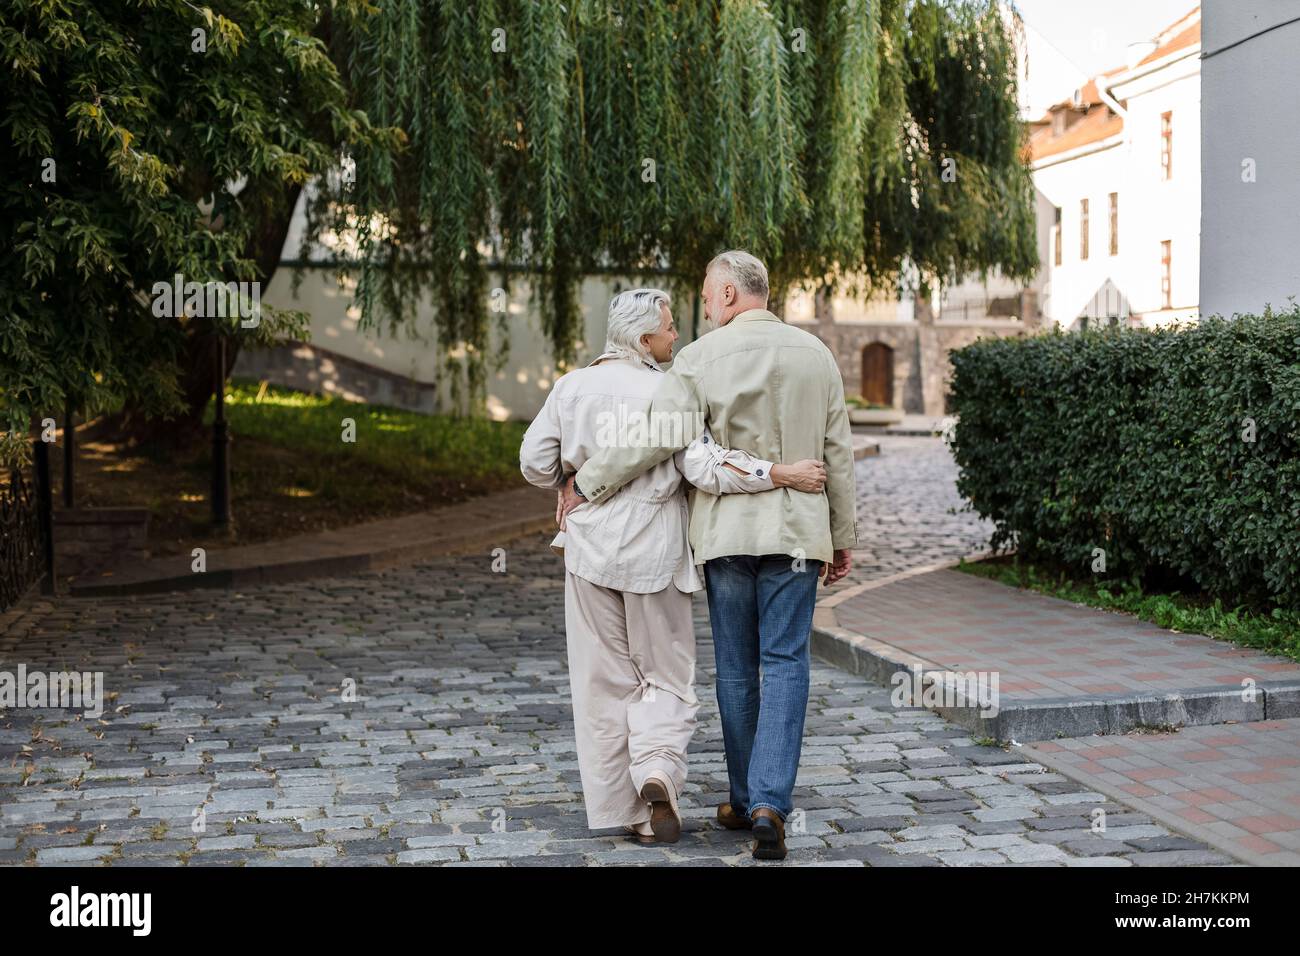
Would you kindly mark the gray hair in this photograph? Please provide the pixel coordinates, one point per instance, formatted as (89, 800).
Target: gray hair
(747, 272)
(632, 314)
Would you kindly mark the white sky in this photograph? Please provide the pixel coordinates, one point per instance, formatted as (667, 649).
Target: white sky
(1093, 34)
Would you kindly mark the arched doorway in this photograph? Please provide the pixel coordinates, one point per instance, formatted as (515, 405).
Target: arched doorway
(878, 374)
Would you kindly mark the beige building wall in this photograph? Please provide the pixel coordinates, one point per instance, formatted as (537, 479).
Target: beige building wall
(366, 364)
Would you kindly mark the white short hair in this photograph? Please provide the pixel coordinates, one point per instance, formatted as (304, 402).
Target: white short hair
(632, 314)
(747, 272)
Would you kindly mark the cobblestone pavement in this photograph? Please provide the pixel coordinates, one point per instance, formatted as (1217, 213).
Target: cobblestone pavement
(234, 712)
(906, 499)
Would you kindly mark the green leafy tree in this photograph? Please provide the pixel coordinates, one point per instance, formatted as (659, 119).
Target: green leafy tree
(146, 138)
(840, 141)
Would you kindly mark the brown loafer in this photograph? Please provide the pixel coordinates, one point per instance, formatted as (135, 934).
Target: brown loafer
(729, 818)
(769, 834)
(665, 819)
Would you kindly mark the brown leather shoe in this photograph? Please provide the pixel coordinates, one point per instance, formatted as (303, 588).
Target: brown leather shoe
(645, 839)
(769, 834)
(665, 818)
(729, 818)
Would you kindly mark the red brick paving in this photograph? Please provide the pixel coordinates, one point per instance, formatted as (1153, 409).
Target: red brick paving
(1251, 814)
(1042, 647)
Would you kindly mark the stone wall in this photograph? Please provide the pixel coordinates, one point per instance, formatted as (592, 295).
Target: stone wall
(921, 366)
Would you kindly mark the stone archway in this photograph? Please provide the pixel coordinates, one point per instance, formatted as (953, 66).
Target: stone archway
(878, 374)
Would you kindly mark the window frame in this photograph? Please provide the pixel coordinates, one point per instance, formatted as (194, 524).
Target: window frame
(1083, 230)
(1167, 145)
(1114, 223)
(1167, 273)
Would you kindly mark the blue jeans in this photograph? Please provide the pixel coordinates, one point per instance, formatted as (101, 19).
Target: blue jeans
(761, 611)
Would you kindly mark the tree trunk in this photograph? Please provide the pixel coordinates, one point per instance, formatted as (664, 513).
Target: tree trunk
(199, 355)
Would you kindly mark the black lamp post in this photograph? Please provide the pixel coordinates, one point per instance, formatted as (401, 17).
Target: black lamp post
(220, 444)
(45, 515)
(69, 452)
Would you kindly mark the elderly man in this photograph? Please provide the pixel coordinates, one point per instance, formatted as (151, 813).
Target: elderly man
(775, 391)
(630, 572)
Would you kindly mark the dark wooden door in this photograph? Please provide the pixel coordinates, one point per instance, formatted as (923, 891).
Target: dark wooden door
(878, 374)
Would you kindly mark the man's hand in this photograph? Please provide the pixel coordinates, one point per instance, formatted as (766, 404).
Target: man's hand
(838, 568)
(808, 475)
(566, 501)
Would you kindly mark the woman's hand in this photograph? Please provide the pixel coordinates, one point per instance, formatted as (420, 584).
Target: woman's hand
(808, 475)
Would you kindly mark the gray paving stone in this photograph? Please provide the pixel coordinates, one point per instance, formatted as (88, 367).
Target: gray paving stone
(1033, 853)
(973, 858)
(1179, 858)
(72, 854)
(463, 719)
(929, 846)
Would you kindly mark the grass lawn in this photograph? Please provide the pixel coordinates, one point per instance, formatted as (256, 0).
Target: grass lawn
(1274, 630)
(292, 472)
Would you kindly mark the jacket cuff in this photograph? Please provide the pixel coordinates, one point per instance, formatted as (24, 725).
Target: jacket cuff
(593, 488)
(845, 539)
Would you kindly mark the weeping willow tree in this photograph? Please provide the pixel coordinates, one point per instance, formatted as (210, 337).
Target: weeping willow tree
(845, 142)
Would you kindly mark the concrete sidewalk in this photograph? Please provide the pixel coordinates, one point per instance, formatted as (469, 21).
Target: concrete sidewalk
(478, 523)
(1062, 669)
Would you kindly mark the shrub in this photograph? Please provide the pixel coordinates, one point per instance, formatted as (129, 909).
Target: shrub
(1138, 442)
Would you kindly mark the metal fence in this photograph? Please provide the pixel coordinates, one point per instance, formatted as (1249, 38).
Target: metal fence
(22, 543)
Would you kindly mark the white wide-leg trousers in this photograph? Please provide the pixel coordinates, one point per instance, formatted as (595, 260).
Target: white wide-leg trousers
(632, 675)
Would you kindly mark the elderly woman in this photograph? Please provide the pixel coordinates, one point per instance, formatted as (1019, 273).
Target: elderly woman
(629, 570)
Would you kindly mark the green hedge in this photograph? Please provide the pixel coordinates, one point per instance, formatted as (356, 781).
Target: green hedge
(1134, 441)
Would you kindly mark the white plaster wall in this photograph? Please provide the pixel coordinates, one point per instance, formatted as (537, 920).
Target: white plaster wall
(1071, 285)
(1153, 209)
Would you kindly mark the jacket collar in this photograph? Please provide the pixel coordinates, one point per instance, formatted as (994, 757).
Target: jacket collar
(615, 354)
(754, 315)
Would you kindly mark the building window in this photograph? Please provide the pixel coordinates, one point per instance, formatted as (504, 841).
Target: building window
(1083, 228)
(1056, 237)
(1166, 275)
(1166, 145)
(1114, 224)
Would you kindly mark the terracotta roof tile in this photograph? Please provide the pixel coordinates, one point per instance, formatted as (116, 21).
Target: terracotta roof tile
(1099, 124)
(1185, 38)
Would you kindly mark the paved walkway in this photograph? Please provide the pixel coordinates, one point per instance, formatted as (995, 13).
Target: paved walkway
(375, 544)
(458, 747)
(909, 512)
(421, 715)
(1236, 787)
(1046, 649)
